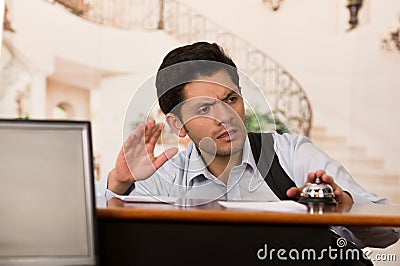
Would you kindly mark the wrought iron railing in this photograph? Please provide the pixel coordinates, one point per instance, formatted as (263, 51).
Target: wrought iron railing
(288, 99)
(125, 14)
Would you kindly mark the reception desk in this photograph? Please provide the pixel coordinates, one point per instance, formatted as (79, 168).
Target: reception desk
(164, 234)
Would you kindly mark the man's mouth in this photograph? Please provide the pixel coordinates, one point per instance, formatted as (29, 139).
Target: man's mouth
(226, 135)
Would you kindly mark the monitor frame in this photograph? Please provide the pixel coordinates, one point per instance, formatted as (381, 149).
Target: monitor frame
(84, 127)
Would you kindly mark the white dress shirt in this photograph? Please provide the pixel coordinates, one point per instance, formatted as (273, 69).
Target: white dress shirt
(186, 176)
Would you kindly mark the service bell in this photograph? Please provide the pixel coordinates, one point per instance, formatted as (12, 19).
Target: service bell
(317, 193)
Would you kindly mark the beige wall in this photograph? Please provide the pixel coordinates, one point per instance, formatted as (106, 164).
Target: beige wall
(353, 85)
(75, 99)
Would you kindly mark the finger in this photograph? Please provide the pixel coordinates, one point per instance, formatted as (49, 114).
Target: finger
(134, 138)
(338, 192)
(121, 155)
(319, 173)
(135, 144)
(135, 133)
(149, 130)
(156, 135)
(328, 180)
(310, 177)
(165, 156)
(339, 195)
(294, 192)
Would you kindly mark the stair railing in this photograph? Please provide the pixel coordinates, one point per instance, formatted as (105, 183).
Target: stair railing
(286, 96)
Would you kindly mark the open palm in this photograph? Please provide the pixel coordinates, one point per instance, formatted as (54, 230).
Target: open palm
(136, 160)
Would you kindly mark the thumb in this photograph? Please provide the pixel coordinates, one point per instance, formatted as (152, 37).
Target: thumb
(165, 156)
(293, 192)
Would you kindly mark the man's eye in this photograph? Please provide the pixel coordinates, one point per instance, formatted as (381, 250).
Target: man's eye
(203, 110)
(232, 99)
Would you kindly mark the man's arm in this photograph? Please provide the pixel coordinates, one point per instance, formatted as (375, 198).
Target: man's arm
(136, 160)
(300, 157)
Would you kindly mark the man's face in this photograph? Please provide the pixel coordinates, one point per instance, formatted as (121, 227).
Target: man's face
(213, 114)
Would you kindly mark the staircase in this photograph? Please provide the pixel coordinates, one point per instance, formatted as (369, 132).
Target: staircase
(286, 96)
(368, 171)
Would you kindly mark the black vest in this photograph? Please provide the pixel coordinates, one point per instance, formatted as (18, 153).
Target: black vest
(262, 146)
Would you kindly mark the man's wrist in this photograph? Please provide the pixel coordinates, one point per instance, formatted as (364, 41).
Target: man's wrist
(348, 194)
(348, 199)
(130, 189)
(118, 187)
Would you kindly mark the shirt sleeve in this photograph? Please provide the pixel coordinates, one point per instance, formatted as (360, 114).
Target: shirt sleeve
(102, 190)
(101, 187)
(299, 156)
(159, 184)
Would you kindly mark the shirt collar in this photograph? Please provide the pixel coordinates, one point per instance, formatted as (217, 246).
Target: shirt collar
(196, 166)
(247, 156)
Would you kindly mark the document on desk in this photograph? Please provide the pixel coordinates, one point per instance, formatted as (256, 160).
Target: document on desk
(149, 199)
(278, 206)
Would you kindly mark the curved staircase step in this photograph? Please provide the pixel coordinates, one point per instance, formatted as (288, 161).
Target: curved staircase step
(369, 172)
(362, 163)
(338, 152)
(376, 177)
(328, 139)
(317, 130)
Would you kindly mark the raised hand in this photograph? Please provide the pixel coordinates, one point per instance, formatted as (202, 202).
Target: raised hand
(136, 160)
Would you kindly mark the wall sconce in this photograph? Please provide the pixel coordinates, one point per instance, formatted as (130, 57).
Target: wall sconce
(354, 6)
(273, 4)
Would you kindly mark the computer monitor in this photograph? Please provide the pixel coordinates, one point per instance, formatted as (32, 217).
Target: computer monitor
(47, 206)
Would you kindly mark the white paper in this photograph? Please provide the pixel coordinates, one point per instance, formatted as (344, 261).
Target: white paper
(278, 206)
(151, 199)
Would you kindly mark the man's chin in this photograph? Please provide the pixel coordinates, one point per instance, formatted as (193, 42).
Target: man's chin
(229, 152)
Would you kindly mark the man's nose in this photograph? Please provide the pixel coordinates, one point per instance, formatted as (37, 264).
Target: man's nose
(223, 113)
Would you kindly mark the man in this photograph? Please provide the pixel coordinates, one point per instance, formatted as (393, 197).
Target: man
(199, 93)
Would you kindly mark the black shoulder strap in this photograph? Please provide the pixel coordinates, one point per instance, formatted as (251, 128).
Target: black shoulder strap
(262, 147)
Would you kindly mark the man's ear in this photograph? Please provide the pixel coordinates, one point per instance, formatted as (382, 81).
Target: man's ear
(175, 124)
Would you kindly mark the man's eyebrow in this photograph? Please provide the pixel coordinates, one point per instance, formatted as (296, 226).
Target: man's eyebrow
(229, 95)
(210, 101)
(206, 101)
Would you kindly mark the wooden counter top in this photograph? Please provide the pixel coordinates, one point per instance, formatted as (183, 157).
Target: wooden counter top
(363, 215)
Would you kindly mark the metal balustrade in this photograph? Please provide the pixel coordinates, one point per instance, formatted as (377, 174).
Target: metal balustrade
(288, 99)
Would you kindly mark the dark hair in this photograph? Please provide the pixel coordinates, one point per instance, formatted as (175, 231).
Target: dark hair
(186, 63)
